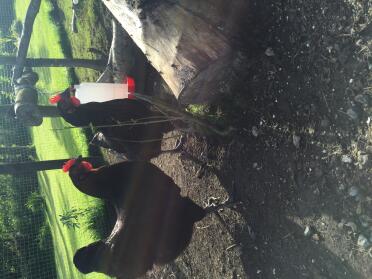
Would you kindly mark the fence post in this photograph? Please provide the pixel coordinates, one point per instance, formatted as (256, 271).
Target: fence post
(24, 167)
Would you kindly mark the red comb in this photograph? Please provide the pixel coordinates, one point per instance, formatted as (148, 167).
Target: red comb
(131, 84)
(88, 166)
(75, 101)
(66, 167)
(55, 99)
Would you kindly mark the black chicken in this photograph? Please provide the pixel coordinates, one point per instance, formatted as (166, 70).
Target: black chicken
(154, 222)
(136, 142)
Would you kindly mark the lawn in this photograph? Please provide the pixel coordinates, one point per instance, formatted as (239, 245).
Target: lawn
(51, 144)
(92, 19)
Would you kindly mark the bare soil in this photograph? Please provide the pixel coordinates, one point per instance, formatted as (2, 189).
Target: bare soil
(300, 155)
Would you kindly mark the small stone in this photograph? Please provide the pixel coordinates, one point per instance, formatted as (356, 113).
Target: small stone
(352, 114)
(308, 231)
(296, 141)
(363, 242)
(341, 225)
(346, 159)
(353, 191)
(255, 131)
(316, 237)
(269, 52)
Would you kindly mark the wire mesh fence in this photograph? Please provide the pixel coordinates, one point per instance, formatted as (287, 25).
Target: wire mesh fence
(25, 239)
(34, 240)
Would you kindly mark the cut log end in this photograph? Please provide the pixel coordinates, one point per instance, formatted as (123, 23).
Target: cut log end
(184, 41)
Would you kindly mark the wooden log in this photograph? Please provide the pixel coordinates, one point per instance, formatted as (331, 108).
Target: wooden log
(187, 41)
(33, 10)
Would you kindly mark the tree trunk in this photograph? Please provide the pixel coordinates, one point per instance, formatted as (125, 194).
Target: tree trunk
(17, 168)
(33, 10)
(55, 62)
(187, 41)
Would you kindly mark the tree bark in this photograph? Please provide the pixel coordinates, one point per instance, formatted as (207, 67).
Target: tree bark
(55, 62)
(189, 42)
(17, 168)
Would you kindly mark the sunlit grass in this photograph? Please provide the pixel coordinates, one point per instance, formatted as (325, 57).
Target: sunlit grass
(91, 33)
(51, 144)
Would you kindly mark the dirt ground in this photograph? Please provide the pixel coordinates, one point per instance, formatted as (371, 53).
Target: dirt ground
(300, 155)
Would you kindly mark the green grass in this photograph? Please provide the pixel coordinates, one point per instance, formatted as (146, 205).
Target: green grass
(92, 33)
(50, 144)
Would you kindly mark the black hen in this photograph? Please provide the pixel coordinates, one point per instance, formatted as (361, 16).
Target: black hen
(136, 142)
(154, 222)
